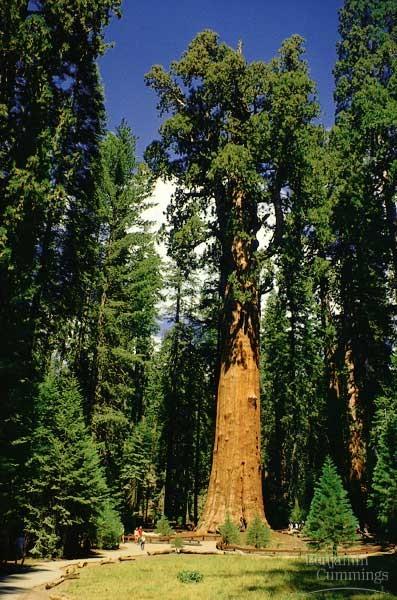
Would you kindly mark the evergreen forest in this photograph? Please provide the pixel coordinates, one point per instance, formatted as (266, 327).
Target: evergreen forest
(211, 379)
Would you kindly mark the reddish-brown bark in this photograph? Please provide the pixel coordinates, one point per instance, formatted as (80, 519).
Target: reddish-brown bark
(356, 442)
(235, 486)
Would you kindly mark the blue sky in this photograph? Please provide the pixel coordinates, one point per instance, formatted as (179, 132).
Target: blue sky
(153, 32)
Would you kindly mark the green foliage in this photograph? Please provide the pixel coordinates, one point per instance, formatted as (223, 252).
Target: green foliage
(109, 528)
(229, 532)
(177, 543)
(363, 219)
(186, 423)
(80, 277)
(258, 533)
(235, 136)
(46, 539)
(65, 490)
(126, 320)
(293, 391)
(330, 521)
(138, 475)
(190, 576)
(51, 121)
(297, 513)
(383, 497)
(163, 526)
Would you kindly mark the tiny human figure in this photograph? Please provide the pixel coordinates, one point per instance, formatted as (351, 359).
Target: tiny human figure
(366, 534)
(140, 532)
(20, 548)
(86, 545)
(243, 524)
(136, 535)
(142, 541)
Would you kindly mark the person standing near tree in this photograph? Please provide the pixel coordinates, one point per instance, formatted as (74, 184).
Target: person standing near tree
(142, 541)
(20, 548)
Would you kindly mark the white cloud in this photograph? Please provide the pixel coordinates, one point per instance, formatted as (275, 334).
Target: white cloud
(160, 199)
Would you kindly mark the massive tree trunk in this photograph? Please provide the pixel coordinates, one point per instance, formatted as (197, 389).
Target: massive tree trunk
(357, 447)
(391, 216)
(235, 486)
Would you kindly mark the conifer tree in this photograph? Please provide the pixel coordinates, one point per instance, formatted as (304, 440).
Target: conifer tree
(125, 313)
(293, 395)
(383, 495)
(297, 514)
(258, 533)
(186, 423)
(223, 141)
(129, 291)
(185, 414)
(330, 521)
(51, 121)
(138, 478)
(229, 532)
(65, 490)
(364, 222)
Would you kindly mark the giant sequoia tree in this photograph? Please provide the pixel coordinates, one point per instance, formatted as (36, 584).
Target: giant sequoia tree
(228, 140)
(364, 218)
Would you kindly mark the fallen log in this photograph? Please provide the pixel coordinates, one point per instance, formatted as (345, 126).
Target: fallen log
(107, 561)
(52, 584)
(71, 569)
(252, 550)
(162, 551)
(124, 558)
(193, 551)
(82, 564)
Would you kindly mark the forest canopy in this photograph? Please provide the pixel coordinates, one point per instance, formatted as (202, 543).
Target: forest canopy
(276, 301)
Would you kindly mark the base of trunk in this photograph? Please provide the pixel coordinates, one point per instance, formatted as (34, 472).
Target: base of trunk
(235, 487)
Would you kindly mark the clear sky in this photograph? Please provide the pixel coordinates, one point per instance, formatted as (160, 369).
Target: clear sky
(155, 31)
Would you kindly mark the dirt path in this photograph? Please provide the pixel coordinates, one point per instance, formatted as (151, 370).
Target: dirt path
(22, 585)
(18, 585)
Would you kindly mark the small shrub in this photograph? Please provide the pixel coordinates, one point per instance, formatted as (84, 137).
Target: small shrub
(108, 529)
(190, 576)
(163, 526)
(177, 543)
(258, 533)
(297, 514)
(229, 531)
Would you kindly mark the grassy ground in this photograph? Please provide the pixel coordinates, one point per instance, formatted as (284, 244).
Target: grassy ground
(225, 578)
(280, 541)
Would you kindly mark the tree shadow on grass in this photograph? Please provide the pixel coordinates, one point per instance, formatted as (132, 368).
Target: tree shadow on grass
(11, 576)
(376, 573)
(375, 578)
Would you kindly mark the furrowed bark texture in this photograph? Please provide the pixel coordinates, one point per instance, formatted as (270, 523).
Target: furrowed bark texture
(357, 441)
(235, 486)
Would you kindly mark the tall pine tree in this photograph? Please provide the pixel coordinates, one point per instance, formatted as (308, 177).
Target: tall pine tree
(51, 120)
(126, 317)
(364, 220)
